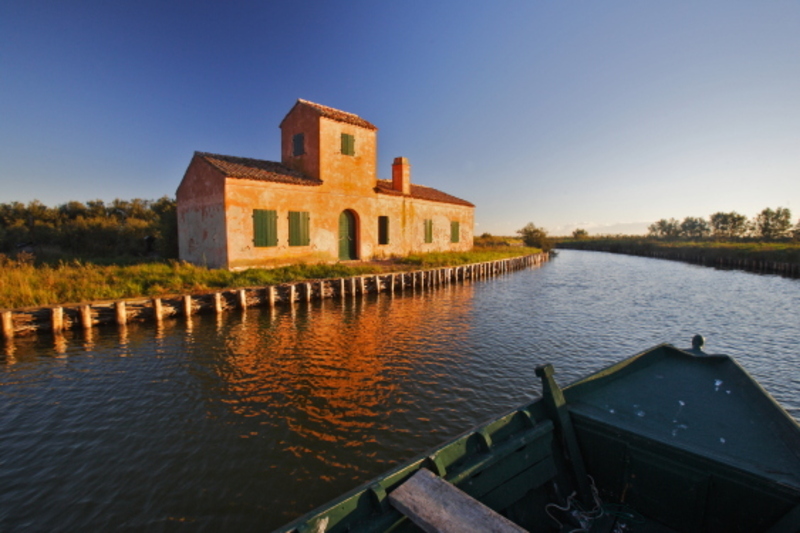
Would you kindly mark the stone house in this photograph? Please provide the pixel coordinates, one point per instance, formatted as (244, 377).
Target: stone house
(322, 203)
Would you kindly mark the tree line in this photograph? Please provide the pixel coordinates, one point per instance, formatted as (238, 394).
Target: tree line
(92, 230)
(769, 225)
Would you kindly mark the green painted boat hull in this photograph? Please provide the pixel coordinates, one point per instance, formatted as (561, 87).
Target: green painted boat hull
(667, 440)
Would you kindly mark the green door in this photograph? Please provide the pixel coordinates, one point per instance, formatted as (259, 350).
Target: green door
(347, 236)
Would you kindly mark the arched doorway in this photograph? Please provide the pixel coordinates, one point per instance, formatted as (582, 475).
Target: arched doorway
(348, 243)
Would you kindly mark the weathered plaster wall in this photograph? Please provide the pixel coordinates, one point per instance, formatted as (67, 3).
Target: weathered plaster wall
(201, 216)
(347, 174)
(406, 228)
(303, 120)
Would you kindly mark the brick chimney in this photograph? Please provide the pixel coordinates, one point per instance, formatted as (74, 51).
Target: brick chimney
(401, 175)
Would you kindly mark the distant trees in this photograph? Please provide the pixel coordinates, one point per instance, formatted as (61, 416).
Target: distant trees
(665, 229)
(92, 230)
(768, 225)
(727, 226)
(771, 225)
(580, 233)
(695, 228)
(535, 237)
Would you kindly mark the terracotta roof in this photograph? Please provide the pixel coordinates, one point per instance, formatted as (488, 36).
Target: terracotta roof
(333, 114)
(257, 169)
(421, 193)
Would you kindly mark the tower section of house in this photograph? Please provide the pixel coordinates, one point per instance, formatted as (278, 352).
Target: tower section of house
(322, 203)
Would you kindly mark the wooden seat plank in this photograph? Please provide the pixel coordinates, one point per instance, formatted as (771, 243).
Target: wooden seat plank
(436, 506)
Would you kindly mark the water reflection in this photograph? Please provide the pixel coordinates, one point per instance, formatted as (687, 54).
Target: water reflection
(333, 373)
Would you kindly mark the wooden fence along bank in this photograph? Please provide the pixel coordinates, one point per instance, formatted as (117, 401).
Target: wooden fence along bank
(85, 316)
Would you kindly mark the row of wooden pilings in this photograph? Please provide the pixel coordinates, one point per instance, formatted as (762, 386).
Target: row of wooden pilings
(88, 315)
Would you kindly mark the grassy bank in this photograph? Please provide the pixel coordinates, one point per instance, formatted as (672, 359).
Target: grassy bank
(25, 284)
(710, 251)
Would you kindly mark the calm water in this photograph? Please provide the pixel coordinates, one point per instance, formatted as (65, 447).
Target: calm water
(246, 421)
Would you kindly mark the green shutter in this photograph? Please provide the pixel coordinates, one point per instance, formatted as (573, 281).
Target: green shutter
(299, 228)
(454, 231)
(429, 231)
(348, 144)
(265, 227)
(383, 230)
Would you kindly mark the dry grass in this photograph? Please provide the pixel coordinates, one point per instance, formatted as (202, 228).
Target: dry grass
(26, 284)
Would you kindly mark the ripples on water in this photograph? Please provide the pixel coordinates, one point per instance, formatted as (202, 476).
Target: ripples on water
(245, 421)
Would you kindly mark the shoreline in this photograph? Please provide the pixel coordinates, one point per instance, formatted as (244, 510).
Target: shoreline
(733, 256)
(87, 315)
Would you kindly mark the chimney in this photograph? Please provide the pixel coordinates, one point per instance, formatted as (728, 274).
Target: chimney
(401, 175)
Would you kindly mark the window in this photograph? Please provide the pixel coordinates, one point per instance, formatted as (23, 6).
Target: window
(428, 231)
(348, 144)
(454, 231)
(298, 228)
(383, 230)
(265, 227)
(298, 144)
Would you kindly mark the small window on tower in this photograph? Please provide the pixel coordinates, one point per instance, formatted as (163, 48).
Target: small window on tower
(299, 144)
(348, 144)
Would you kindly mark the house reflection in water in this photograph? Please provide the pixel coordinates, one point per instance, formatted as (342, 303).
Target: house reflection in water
(337, 384)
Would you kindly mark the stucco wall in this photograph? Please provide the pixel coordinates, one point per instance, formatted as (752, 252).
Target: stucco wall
(347, 174)
(406, 228)
(303, 120)
(201, 216)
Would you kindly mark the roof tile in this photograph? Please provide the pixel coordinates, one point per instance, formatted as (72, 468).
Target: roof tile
(421, 193)
(257, 169)
(335, 114)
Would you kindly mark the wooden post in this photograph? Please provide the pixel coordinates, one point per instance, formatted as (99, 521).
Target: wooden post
(86, 317)
(242, 299)
(57, 319)
(187, 305)
(352, 286)
(321, 289)
(158, 309)
(8, 325)
(342, 288)
(292, 291)
(391, 283)
(362, 285)
(556, 407)
(307, 291)
(218, 302)
(271, 296)
(377, 280)
(121, 314)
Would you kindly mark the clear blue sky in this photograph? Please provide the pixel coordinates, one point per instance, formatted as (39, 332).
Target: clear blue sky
(604, 115)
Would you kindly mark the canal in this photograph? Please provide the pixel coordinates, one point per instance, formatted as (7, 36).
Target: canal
(244, 421)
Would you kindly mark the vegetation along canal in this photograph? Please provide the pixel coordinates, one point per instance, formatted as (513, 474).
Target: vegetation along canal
(244, 421)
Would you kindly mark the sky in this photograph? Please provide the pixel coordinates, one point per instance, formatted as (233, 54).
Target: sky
(605, 116)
